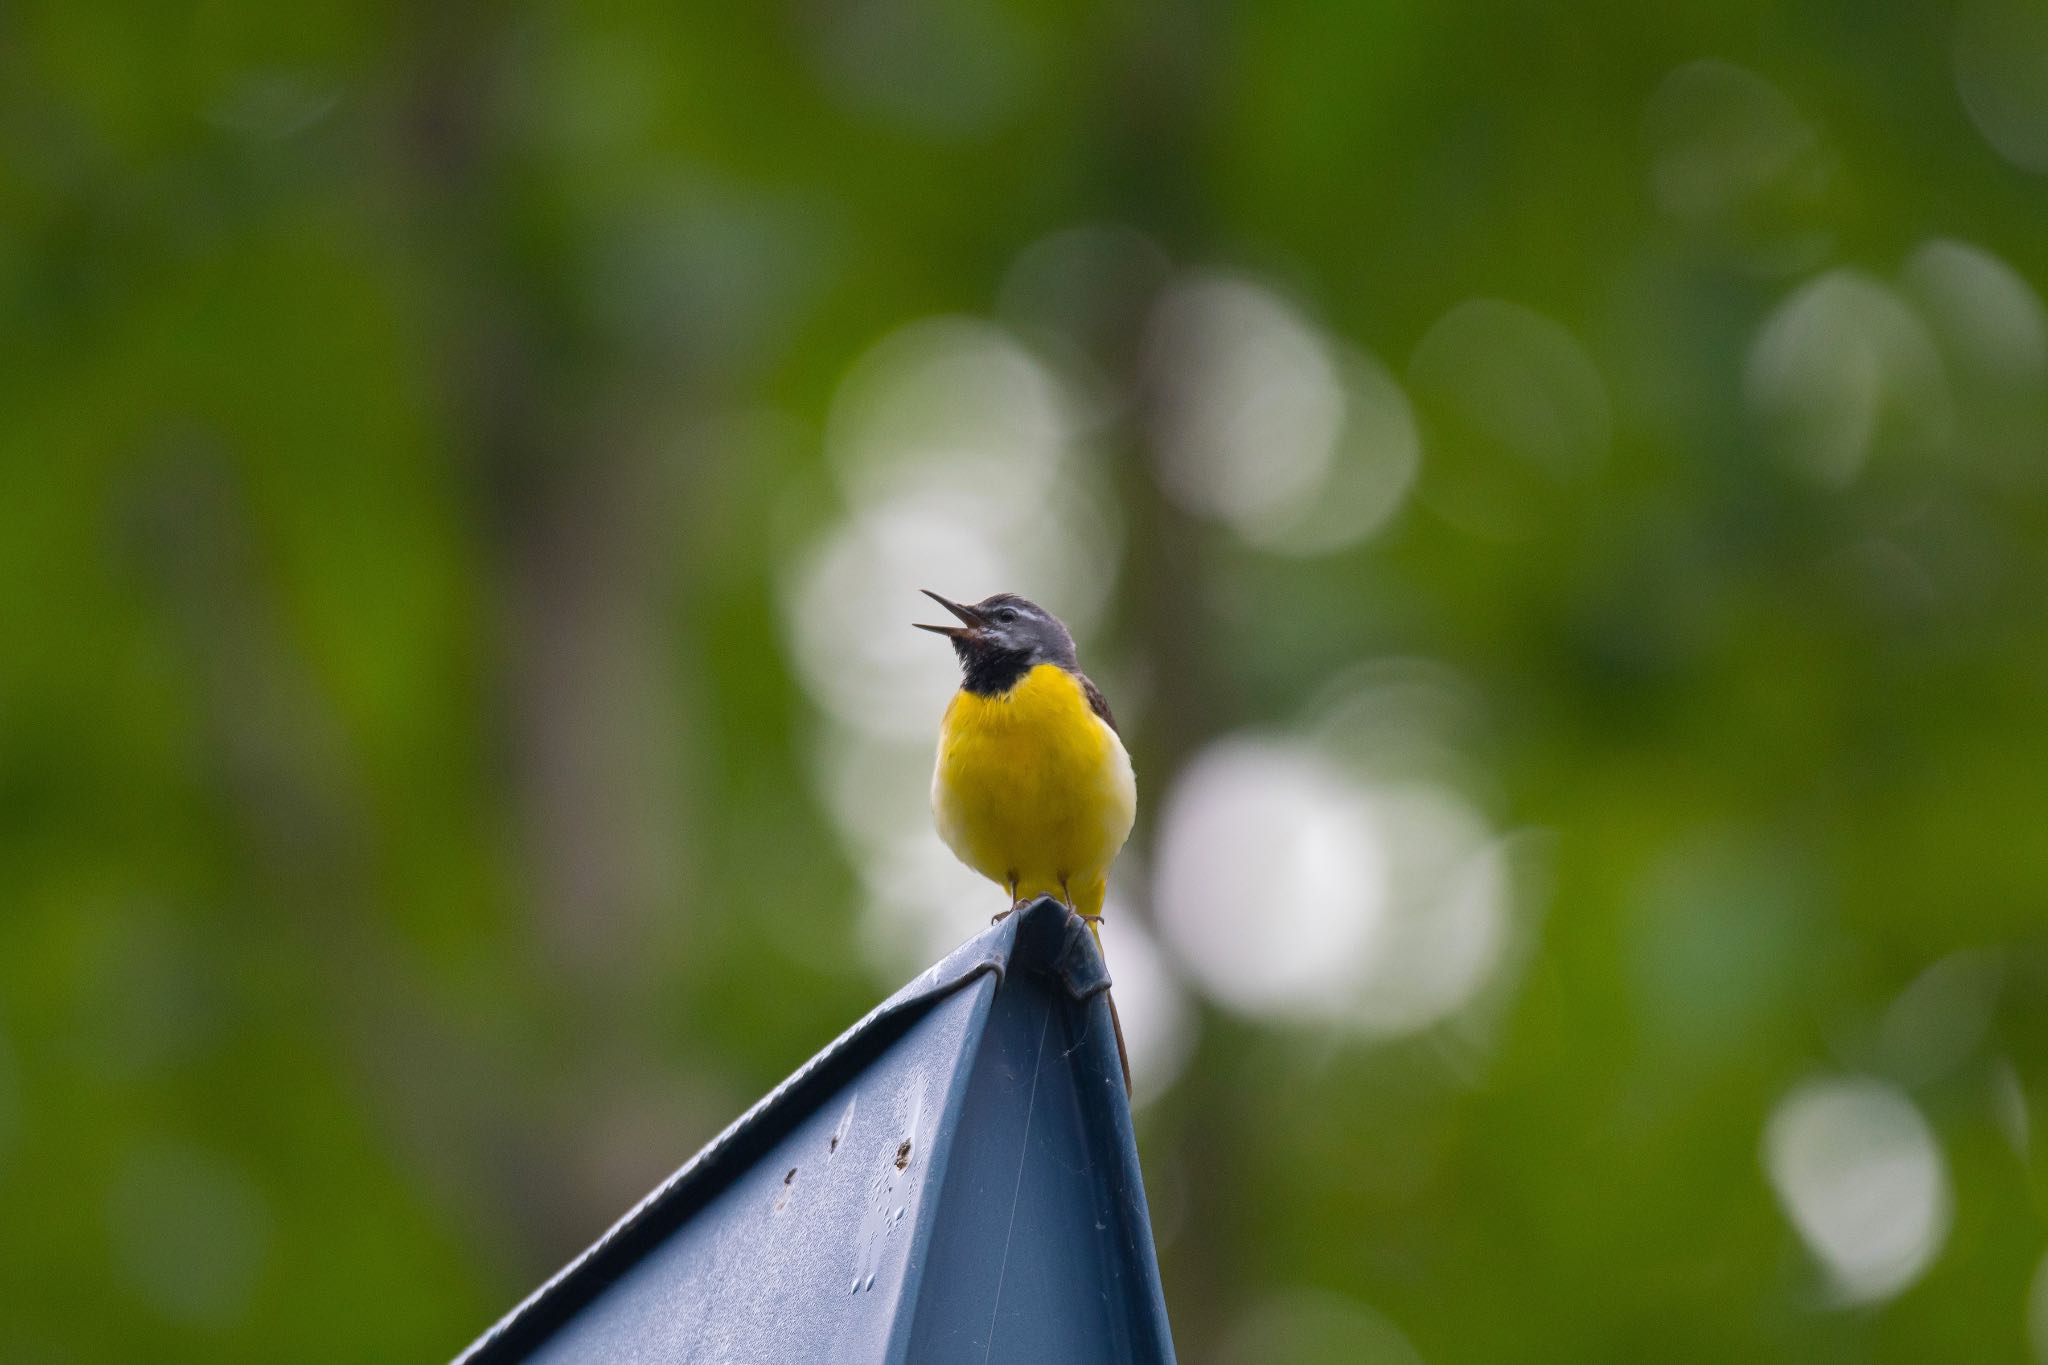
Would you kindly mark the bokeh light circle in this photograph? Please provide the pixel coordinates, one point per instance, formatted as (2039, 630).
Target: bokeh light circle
(1860, 1177)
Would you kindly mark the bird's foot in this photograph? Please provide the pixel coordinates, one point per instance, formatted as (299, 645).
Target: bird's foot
(999, 916)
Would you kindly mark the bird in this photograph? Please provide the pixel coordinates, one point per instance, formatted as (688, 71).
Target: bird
(1033, 788)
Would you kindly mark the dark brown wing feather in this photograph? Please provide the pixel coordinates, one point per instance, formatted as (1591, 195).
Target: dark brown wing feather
(1097, 703)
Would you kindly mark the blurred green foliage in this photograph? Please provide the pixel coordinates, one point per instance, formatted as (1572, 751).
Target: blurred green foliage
(409, 416)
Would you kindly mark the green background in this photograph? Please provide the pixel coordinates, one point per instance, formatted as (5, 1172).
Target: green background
(413, 423)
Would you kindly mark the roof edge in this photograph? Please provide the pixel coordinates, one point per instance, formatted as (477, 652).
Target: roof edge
(1043, 937)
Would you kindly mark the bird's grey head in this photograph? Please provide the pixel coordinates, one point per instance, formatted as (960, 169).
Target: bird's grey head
(1001, 638)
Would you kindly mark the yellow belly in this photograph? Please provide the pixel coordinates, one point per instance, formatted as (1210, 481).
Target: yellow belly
(1032, 790)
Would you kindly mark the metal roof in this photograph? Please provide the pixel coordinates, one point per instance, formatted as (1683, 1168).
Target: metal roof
(953, 1179)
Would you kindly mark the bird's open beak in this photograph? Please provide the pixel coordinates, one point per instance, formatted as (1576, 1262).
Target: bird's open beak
(970, 618)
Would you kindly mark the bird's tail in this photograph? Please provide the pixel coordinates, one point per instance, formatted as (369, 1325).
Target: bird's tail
(1123, 1055)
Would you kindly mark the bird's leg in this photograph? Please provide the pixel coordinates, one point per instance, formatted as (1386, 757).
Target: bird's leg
(1015, 904)
(1067, 898)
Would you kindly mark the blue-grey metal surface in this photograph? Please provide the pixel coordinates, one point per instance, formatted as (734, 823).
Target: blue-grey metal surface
(954, 1178)
(1042, 1248)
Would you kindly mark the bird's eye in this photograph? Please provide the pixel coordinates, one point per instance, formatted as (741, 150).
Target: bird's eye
(1008, 616)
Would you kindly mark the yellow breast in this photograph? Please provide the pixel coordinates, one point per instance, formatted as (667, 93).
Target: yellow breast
(1033, 790)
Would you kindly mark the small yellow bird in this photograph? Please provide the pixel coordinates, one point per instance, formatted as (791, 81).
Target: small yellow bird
(1033, 789)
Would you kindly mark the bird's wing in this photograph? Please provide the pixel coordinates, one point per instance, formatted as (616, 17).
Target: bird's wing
(1097, 703)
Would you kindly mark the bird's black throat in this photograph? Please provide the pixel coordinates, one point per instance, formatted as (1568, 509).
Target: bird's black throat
(992, 672)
